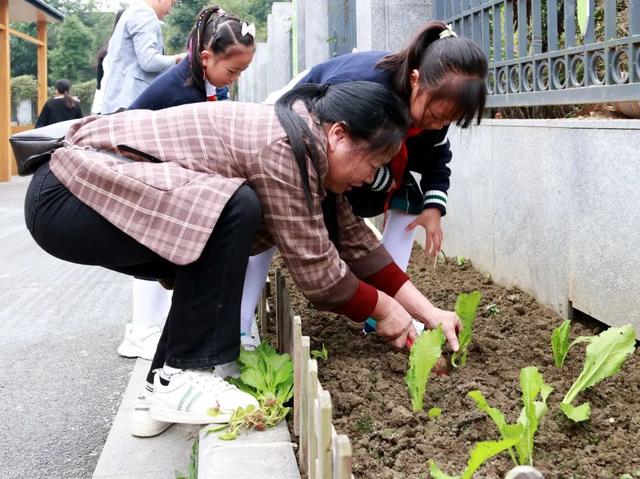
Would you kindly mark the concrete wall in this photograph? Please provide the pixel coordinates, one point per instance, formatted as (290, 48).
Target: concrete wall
(279, 41)
(389, 24)
(552, 206)
(315, 23)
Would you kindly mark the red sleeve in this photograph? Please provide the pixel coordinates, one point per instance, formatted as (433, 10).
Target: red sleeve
(361, 304)
(389, 279)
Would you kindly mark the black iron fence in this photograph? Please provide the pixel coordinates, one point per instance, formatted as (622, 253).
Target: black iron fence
(545, 52)
(342, 26)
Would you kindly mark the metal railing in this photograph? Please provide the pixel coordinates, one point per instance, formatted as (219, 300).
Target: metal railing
(552, 52)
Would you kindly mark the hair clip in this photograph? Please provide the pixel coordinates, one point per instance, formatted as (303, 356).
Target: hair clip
(248, 28)
(448, 32)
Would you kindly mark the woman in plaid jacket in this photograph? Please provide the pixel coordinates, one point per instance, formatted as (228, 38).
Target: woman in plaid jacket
(208, 182)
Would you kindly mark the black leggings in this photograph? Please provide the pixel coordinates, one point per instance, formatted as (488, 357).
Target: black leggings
(203, 326)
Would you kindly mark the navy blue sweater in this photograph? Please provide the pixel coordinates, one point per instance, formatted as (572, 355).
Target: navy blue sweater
(429, 151)
(169, 89)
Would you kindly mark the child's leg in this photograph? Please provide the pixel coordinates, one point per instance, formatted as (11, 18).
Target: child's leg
(254, 280)
(151, 303)
(399, 243)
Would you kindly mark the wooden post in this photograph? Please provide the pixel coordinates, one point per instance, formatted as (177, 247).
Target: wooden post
(279, 309)
(311, 392)
(42, 65)
(342, 457)
(305, 347)
(323, 431)
(297, 376)
(263, 312)
(5, 92)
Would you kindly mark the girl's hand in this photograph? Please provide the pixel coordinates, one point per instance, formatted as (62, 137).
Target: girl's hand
(450, 322)
(430, 220)
(394, 323)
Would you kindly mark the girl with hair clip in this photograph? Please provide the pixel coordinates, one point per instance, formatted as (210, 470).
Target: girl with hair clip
(441, 78)
(194, 203)
(220, 48)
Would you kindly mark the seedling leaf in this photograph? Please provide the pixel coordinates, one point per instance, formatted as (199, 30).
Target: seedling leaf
(483, 451)
(604, 357)
(560, 342)
(320, 353)
(434, 412)
(466, 308)
(436, 473)
(426, 350)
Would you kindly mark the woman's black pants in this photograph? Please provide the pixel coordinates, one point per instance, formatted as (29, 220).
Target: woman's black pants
(203, 326)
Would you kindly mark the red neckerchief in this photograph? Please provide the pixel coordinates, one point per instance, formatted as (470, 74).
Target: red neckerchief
(399, 163)
(210, 91)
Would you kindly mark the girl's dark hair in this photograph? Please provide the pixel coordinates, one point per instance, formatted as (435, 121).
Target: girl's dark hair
(368, 111)
(217, 31)
(63, 86)
(458, 60)
(103, 52)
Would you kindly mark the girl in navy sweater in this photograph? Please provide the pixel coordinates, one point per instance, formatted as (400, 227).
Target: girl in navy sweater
(442, 79)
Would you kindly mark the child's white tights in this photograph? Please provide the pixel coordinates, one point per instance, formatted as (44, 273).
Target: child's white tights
(151, 303)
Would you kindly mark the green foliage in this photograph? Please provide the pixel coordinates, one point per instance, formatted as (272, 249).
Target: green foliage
(466, 307)
(434, 412)
(604, 357)
(73, 56)
(492, 309)
(423, 356)
(85, 92)
(320, 354)
(193, 463)
(252, 418)
(523, 431)
(364, 424)
(460, 260)
(481, 452)
(24, 60)
(560, 342)
(24, 87)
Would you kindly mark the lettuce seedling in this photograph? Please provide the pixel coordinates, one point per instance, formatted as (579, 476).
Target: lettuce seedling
(560, 342)
(466, 307)
(481, 452)
(604, 358)
(425, 351)
(532, 384)
(268, 376)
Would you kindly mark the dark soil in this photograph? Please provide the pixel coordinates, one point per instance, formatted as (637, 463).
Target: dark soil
(371, 404)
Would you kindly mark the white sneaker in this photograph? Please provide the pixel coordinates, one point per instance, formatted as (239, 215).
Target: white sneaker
(142, 425)
(250, 342)
(191, 394)
(139, 341)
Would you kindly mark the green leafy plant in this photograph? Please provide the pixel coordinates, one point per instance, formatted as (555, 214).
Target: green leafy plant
(460, 260)
(466, 308)
(434, 412)
(604, 357)
(320, 353)
(193, 463)
(481, 452)
(532, 384)
(425, 351)
(560, 342)
(268, 376)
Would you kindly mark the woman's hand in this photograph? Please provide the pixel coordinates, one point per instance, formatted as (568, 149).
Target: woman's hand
(393, 322)
(430, 220)
(413, 301)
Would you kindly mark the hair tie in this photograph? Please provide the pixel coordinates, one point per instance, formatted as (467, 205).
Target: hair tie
(448, 32)
(248, 29)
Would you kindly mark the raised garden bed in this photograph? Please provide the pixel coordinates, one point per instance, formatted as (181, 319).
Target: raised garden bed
(365, 378)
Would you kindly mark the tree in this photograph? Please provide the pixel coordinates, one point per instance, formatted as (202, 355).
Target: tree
(73, 56)
(23, 53)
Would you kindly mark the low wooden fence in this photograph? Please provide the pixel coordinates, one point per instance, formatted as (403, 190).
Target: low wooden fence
(322, 452)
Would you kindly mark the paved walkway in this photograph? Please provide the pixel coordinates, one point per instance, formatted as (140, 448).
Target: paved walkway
(62, 381)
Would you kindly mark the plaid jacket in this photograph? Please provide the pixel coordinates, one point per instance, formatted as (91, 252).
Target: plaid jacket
(205, 152)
